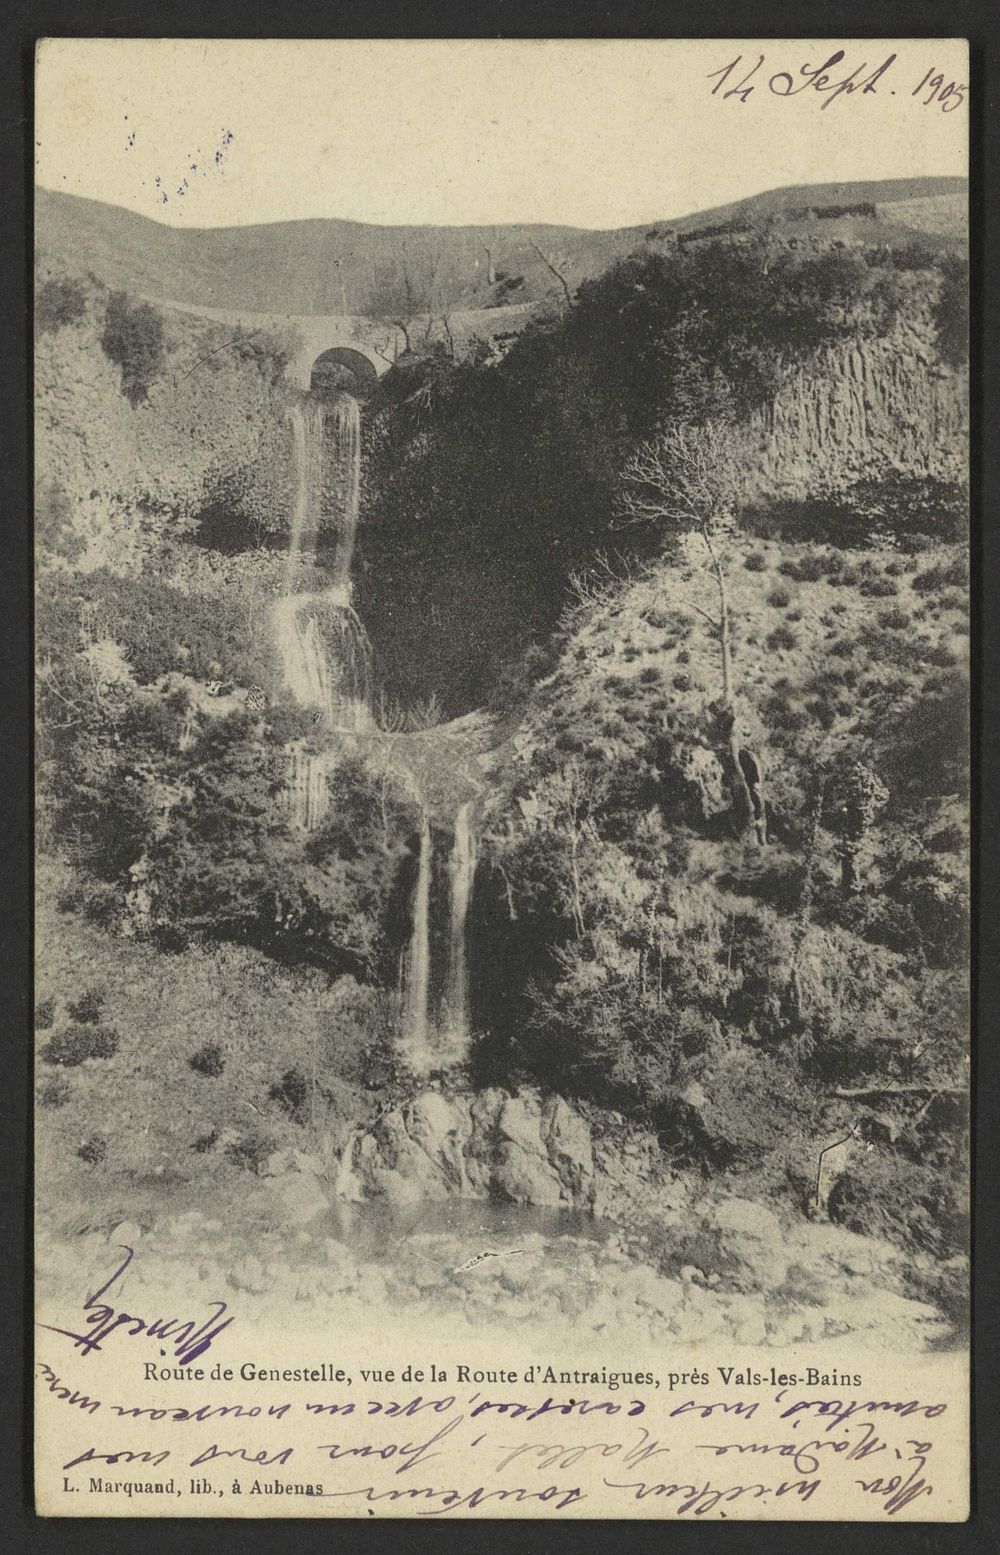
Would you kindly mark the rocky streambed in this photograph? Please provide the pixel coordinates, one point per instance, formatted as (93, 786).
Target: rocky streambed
(498, 1209)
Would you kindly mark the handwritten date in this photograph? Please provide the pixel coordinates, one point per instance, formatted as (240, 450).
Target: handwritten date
(830, 80)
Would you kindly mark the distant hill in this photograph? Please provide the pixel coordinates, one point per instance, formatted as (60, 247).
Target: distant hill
(329, 266)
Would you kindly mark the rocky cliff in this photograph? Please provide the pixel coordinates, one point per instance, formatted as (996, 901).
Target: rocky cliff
(210, 433)
(864, 408)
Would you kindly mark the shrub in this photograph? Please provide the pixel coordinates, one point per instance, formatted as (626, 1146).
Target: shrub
(58, 303)
(938, 654)
(208, 1061)
(93, 1150)
(755, 562)
(807, 569)
(290, 1093)
(78, 1043)
(45, 1014)
(87, 1009)
(954, 573)
(54, 1091)
(894, 620)
(878, 587)
(205, 1142)
(779, 597)
(781, 638)
(269, 350)
(132, 338)
(650, 675)
(251, 1152)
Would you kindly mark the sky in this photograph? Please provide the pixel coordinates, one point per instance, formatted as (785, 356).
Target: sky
(585, 133)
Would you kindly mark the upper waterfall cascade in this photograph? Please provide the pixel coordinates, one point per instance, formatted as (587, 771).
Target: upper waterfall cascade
(323, 646)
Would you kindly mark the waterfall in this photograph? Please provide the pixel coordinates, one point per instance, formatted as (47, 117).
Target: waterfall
(416, 1013)
(323, 646)
(309, 675)
(306, 791)
(347, 441)
(435, 986)
(461, 871)
(308, 430)
(346, 1185)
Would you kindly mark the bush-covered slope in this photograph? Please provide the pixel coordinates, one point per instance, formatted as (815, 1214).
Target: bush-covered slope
(751, 1003)
(722, 892)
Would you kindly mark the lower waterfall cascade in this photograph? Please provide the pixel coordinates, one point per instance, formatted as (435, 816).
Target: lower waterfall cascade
(435, 981)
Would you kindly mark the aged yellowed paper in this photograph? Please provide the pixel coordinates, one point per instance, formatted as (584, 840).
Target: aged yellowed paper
(502, 916)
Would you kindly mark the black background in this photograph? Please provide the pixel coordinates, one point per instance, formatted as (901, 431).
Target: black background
(23, 24)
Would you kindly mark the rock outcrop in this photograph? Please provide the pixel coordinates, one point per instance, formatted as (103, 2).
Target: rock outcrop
(519, 1148)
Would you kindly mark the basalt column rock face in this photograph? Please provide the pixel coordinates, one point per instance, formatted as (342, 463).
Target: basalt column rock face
(858, 409)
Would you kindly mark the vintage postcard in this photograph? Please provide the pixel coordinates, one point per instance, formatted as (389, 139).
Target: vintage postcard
(502, 781)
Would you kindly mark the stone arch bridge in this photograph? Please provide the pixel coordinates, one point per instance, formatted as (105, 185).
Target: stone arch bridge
(352, 352)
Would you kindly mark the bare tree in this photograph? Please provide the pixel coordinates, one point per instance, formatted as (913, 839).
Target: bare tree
(401, 296)
(551, 268)
(692, 479)
(574, 793)
(421, 288)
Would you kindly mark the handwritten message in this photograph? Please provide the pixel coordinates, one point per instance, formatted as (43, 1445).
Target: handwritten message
(172, 1415)
(437, 1453)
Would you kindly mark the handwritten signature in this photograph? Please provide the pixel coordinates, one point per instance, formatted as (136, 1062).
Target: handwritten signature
(187, 1338)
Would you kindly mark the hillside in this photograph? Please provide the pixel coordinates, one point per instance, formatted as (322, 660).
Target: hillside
(343, 267)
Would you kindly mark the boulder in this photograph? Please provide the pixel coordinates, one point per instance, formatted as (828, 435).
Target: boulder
(524, 1176)
(127, 1234)
(740, 1240)
(301, 1198)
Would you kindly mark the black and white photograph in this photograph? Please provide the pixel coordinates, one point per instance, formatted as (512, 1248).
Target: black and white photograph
(502, 777)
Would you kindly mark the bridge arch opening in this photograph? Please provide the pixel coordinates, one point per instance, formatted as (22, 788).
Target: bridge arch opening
(344, 370)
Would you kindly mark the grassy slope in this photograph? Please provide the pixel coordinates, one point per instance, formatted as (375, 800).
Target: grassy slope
(146, 1102)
